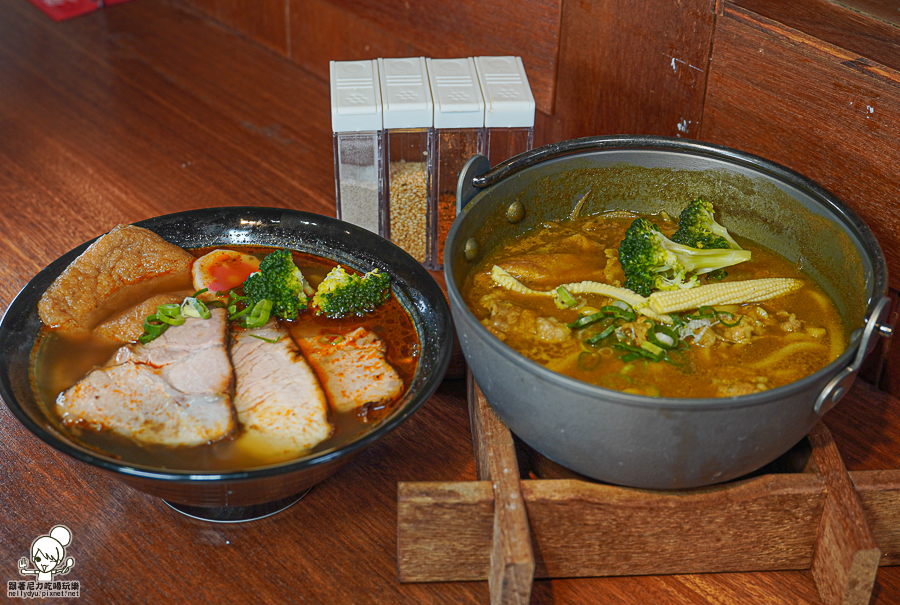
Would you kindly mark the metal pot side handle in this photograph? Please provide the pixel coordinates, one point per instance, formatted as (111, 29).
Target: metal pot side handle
(835, 390)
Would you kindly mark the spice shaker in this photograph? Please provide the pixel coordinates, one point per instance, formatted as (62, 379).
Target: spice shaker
(408, 140)
(509, 107)
(357, 132)
(458, 135)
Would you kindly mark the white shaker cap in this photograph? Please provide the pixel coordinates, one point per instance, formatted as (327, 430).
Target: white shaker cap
(355, 96)
(457, 95)
(405, 92)
(507, 95)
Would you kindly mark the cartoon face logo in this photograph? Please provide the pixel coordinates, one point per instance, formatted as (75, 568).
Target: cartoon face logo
(48, 555)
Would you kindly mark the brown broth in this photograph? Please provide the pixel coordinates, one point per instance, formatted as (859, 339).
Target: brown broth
(61, 360)
(577, 249)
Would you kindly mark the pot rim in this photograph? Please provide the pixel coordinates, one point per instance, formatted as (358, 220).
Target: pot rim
(611, 143)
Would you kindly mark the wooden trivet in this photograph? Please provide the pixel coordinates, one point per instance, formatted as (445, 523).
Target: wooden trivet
(509, 530)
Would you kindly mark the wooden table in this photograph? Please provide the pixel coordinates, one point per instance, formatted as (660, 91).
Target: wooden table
(143, 109)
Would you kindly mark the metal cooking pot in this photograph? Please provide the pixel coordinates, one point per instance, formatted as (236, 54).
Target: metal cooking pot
(656, 442)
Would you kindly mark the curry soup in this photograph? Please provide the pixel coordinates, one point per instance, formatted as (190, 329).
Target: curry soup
(734, 350)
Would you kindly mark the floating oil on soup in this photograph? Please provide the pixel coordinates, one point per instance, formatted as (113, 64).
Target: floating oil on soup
(717, 351)
(63, 358)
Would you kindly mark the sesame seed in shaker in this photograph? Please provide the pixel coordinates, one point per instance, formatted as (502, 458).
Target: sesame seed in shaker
(408, 143)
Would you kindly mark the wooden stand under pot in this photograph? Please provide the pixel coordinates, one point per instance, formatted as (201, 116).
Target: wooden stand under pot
(509, 529)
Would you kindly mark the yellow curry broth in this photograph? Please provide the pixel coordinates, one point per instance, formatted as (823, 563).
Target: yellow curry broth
(787, 338)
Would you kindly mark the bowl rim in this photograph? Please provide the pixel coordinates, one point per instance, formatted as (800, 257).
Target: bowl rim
(425, 284)
(617, 143)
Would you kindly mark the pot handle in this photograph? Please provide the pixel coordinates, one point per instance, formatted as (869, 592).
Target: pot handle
(466, 188)
(835, 390)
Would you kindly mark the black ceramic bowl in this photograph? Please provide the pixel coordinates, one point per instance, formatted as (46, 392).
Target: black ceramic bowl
(247, 493)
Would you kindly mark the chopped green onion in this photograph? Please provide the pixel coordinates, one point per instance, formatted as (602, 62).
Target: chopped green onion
(719, 315)
(199, 292)
(587, 320)
(170, 314)
(268, 340)
(593, 340)
(233, 313)
(655, 350)
(662, 336)
(618, 312)
(633, 352)
(153, 328)
(194, 307)
(565, 297)
(259, 315)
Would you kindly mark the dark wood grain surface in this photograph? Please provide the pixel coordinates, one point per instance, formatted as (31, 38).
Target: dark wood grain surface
(143, 109)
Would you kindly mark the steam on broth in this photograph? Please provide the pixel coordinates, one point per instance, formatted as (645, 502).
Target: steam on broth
(63, 358)
(723, 351)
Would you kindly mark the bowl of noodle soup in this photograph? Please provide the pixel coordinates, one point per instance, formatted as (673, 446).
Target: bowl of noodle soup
(242, 489)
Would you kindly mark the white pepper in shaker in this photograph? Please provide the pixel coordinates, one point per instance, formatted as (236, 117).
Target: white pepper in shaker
(356, 122)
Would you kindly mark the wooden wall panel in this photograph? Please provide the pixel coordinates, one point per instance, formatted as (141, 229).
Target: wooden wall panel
(631, 68)
(594, 67)
(324, 30)
(321, 32)
(813, 107)
(849, 24)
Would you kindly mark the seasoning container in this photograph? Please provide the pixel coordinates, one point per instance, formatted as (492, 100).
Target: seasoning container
(509, 107)
(356, 111)
(458, 135)
(408, 141)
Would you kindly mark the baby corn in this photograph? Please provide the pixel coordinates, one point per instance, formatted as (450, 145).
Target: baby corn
(637, 302)
(725, 293)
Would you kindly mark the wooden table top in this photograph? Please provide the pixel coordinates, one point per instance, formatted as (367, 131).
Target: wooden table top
(144, 109)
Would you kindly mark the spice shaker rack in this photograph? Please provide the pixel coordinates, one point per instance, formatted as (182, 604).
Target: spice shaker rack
(404, 127)
(803, 512)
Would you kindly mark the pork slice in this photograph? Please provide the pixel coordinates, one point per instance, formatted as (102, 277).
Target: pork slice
(121, 268)
(353, 369)
(173, 391)
(192, 357)
(278, 399)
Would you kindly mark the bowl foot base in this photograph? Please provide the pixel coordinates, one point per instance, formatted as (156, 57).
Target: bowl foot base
(237, 514)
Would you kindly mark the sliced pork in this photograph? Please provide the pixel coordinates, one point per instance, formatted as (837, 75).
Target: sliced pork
(173, 391)
(353, 368)
(278, 399)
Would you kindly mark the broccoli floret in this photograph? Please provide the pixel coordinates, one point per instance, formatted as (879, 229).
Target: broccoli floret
(652, 261)
(342, 293)
(281, 282)
(697, 228)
